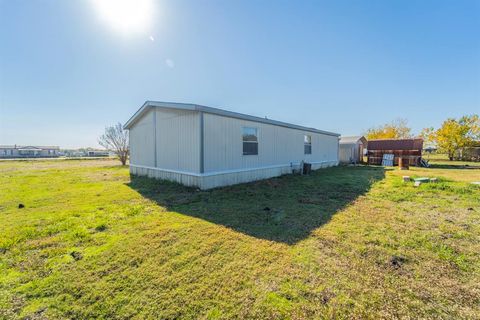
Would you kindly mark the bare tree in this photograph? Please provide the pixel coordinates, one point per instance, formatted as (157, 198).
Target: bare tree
(115, 139)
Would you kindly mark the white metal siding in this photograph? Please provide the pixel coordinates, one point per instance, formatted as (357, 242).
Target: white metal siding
(277, 145)
(349, 152)
(178, 140)
(176, 137)
(142, 141)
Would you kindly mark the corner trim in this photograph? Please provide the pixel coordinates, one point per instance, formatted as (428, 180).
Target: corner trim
(155, 136)
(202, 144)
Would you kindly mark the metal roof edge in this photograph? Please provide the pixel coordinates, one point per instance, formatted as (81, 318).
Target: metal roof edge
(220, 112)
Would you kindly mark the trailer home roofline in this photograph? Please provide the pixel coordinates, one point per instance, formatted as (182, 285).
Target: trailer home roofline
(194, 107)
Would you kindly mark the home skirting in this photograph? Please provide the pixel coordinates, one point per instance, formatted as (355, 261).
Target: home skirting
(211, 180)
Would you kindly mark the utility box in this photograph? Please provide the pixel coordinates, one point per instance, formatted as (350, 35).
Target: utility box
(307, 168)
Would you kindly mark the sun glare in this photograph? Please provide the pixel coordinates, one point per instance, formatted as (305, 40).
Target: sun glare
(127, 16)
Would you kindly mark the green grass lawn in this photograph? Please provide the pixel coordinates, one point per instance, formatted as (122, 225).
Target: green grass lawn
(345, 242)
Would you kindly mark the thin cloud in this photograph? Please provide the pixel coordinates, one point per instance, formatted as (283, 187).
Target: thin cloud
(170, 63)
(152, 38)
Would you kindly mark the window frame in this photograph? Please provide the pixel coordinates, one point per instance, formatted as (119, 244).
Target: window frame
(307, 144)
(249, 142)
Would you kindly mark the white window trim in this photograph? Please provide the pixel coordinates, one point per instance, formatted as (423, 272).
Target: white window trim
(258, 141)
(305, 143)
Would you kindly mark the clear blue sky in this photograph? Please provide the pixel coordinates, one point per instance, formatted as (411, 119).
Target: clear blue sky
(66, 70)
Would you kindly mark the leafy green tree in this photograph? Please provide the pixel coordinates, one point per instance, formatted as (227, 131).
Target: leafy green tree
(455, 135)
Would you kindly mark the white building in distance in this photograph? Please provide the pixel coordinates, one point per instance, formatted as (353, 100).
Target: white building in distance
(17, 151)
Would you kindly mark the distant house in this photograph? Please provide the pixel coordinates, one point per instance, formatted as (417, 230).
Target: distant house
(17, 151)
(351, 149)
(89, 152)
(208, 147)
(86, 152)
(430, 149)
(73, 153)
(410, 150)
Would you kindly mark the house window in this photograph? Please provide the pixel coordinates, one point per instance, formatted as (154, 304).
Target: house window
(250, 141)
(307, 144)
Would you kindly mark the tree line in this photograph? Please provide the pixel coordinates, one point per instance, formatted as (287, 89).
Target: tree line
(455, 137)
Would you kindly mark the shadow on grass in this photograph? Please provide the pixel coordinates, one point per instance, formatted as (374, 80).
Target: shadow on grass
(454, 166)
(284, 209)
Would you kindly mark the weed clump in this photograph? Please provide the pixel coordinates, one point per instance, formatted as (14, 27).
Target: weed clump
(101, 227)
(76, 255)
(397, 261)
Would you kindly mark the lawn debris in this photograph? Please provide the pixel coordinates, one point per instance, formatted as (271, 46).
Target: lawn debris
(406, 178)
(76, 255)
(3, 250)
(424, 163)
(21, 206)
(419, 181)
(422, 179)
(326, 296)
(470, 209)
(101, 227)
(465, 226)
(397, 261)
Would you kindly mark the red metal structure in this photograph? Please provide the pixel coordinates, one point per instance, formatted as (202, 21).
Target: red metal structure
(410, 150)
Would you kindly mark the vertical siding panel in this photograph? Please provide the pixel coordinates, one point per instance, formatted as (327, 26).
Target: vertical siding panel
(178, 148)
(178, 143)
(141, 141)
(277, 145)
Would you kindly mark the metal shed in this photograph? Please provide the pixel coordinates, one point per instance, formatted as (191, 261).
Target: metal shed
(410, 150)
(351, 149)
(209, 147)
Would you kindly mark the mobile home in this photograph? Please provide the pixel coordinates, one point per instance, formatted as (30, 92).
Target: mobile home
(17, 151)
(209, 147)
